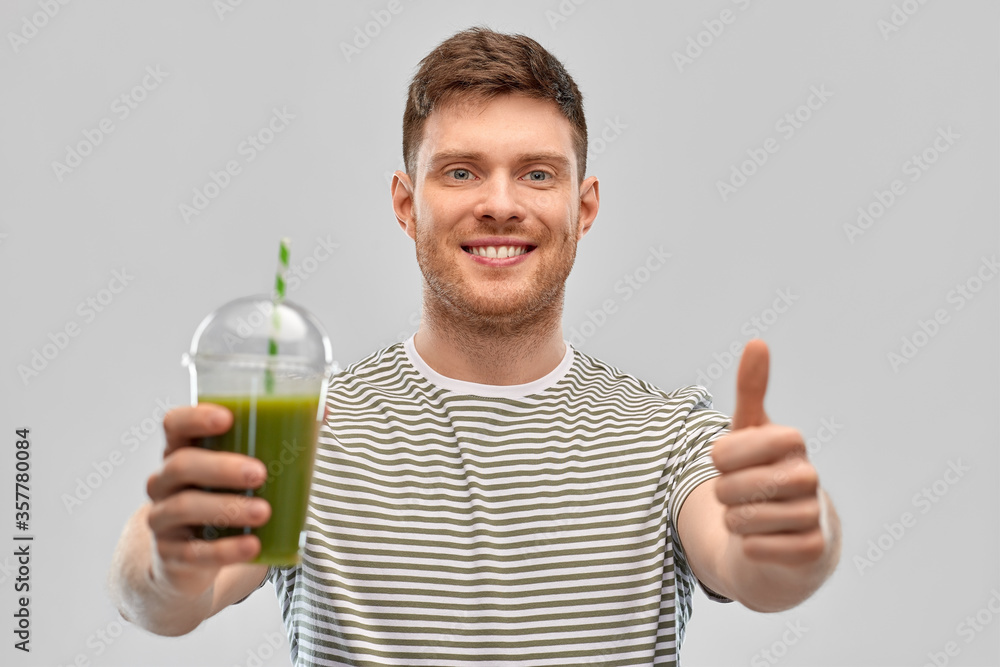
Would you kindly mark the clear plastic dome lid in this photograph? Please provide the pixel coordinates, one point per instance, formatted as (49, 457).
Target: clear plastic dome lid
(252, 331)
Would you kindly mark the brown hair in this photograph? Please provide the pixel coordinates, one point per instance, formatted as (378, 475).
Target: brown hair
(479, 64)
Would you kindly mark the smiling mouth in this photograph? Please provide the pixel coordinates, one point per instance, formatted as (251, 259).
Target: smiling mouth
(498, 252)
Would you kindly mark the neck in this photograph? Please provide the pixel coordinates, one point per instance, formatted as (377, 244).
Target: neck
(497, 353)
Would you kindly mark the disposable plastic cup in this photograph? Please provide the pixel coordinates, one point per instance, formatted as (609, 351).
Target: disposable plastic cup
(277, 401)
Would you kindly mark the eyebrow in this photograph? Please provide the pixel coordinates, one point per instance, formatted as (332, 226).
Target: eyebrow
(443, 157)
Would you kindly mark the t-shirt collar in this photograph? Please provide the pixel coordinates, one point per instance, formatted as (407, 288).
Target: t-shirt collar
(488, 390)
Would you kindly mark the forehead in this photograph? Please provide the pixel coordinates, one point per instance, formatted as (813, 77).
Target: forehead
(503, 126)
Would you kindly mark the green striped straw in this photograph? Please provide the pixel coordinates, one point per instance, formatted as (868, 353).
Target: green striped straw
(276, 299)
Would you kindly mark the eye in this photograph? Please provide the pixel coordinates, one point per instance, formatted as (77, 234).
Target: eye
(538, 175)
(461, 174)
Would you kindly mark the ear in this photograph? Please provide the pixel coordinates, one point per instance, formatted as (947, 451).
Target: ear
(590, 201)
(401, 191)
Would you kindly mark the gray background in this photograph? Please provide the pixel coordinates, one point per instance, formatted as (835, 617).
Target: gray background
(896, 429)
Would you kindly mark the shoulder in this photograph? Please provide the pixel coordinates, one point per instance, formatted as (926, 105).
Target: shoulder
(379, 367)
(609, 380)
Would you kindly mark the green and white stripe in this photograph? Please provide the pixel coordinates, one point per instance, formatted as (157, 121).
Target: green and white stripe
(458, 524)
(276, 299)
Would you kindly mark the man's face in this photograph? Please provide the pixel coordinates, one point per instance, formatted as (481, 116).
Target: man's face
(496, 209)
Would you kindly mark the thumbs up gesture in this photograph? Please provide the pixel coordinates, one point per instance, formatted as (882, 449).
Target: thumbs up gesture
(769, 488)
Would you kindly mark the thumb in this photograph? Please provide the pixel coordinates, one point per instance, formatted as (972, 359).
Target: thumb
(751, 385)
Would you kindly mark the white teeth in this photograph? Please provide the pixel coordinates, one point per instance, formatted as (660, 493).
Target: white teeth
(499, 252)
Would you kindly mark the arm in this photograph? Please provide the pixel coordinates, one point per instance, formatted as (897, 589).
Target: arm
(761, 576)
(148, 601)
(762, 532)
(161, 577)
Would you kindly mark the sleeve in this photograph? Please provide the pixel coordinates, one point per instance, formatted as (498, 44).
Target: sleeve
(267, 577)
(693, 464)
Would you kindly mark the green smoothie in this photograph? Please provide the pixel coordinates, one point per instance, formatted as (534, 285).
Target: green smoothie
(280, 431)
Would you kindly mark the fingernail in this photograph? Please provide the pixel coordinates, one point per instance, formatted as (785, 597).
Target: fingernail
(215, 419)
(253, 472)
(258, 508)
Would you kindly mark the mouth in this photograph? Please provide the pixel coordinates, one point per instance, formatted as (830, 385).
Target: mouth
(498, 251)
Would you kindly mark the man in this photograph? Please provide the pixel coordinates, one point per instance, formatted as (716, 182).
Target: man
(483, 492)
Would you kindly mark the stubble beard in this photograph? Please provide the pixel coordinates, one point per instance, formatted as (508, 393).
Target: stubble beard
(462, 312)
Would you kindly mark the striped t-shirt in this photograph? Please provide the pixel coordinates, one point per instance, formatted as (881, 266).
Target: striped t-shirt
(453, 523)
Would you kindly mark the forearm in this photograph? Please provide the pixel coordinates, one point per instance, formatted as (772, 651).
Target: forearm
(772, 587)
(140, 598)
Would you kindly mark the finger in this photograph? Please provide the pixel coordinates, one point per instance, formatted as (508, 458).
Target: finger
(192, 466)
(185, 424)
(181, 554)
(745, 448)
(792, 516)
(786, 480)
(786, 548)
(751, 385)
(197, 508)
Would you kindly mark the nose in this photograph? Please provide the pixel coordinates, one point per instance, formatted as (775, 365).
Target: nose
(499, 202)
